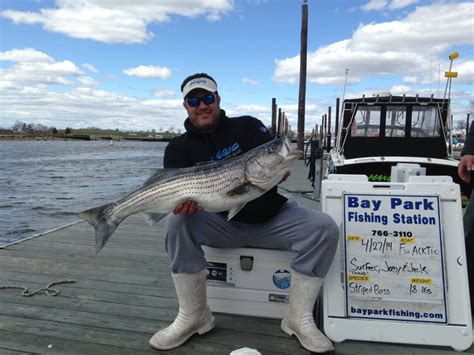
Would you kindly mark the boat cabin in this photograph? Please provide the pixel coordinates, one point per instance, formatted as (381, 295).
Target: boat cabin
(376, 133)
(394, 126)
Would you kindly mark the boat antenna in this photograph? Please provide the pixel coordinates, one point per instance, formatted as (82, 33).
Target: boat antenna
(431, 66)
(449, 75)
(338, 139)
(345, 85)
(439, 77)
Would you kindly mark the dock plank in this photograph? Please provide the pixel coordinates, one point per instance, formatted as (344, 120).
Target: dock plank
(122, 296)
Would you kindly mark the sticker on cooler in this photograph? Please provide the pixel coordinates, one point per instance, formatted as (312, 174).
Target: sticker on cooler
(282, 279)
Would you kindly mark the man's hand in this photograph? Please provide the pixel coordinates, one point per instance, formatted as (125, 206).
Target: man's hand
(187, 208)
(465, 167)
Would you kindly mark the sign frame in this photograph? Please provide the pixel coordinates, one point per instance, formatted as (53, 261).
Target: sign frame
(456, 332)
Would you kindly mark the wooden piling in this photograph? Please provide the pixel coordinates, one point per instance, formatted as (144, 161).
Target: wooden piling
(279, 122)
(303, 65)
(274, 109)
(328, 131)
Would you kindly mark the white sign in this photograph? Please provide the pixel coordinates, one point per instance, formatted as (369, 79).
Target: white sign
(394, 264)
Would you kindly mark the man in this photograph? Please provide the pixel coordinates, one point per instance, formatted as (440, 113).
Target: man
(268, 222)
(464, 172)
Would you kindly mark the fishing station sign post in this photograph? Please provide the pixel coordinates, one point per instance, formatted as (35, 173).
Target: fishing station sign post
(399, 274)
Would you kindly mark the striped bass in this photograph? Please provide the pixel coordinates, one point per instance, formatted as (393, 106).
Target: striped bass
(216, 186)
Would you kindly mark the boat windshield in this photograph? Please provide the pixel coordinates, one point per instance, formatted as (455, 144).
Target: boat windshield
(367, 122)
(395, 121)
(425, 122)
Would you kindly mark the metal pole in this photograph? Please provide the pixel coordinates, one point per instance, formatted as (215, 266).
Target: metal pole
(336, 129)
(447, 81)
(345, 84)
(341, 110)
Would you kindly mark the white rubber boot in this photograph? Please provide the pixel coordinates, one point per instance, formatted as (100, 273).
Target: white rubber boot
(194, 315)
(299, 317)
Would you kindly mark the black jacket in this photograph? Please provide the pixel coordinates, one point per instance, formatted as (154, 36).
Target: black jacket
(232, 137)
(469, 143)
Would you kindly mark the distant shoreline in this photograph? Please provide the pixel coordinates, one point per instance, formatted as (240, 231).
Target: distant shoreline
(38, 138)
(26, 138)
(76, 138)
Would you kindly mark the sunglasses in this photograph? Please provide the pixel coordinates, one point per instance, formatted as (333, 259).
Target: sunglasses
(196, 101)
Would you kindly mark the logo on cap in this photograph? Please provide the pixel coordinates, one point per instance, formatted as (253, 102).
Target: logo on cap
(199, 83)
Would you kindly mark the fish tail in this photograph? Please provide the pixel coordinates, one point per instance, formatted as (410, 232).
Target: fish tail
(101, 219)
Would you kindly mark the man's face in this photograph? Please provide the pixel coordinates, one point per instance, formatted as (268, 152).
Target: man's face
(205, 116)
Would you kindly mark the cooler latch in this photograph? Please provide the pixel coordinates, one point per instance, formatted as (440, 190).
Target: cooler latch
(246, 263)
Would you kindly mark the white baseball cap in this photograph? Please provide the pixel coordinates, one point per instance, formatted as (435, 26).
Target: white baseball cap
(199, 83)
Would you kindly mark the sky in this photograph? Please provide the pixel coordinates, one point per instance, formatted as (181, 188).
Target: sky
(119, 64)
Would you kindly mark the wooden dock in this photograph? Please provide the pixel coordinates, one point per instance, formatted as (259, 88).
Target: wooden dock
(124, 294)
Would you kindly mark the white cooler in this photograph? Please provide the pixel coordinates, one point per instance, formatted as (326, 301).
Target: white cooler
(248, 281)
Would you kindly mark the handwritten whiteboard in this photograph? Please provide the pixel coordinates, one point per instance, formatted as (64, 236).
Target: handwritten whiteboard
(401, 259)
(394, 258)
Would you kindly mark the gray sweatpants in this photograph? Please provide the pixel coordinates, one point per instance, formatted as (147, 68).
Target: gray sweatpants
(312, 234)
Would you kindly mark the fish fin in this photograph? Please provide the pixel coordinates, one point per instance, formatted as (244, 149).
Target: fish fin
(206, 162)
(152, 218)
(240, 190)
(104, 226)
(233, 211)
(158, 174)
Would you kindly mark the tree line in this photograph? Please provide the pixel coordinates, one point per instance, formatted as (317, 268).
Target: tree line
(20, 127)
(24, 129)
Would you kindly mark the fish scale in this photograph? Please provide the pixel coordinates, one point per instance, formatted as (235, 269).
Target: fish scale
(216, 186)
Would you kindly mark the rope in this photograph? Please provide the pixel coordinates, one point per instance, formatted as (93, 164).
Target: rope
(48, 290)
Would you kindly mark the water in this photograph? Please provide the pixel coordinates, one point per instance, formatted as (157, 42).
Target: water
(44, 184)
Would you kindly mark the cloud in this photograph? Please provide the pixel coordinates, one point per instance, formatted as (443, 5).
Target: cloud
(374, 5)
(87, 81)
(89, 67)
(32, 67)
(398, 4)
(149, 71)
(410, 80)
(37, 88)
(378, 5)
(163, 93)
(400, 90)
(26, 55)
(250, 81)
(83, 107)
(465, 72)
(119, 21)
(379, 49)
